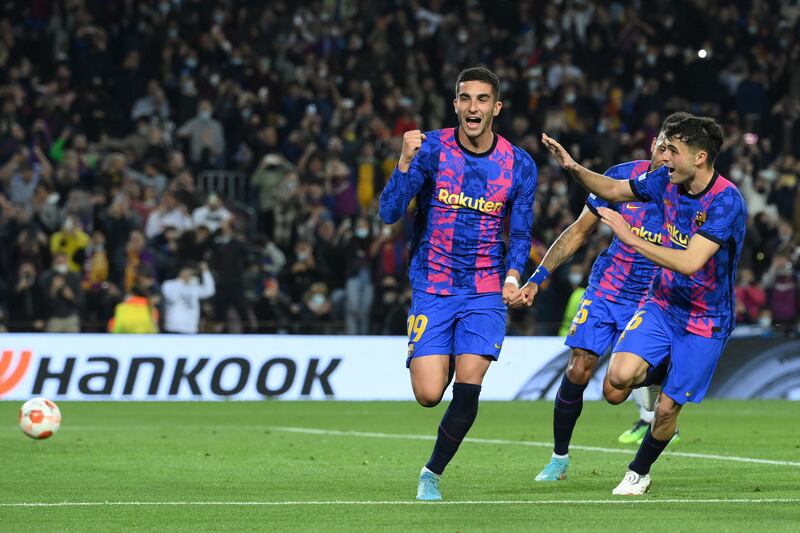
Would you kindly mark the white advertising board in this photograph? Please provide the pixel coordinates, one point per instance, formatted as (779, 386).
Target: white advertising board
(249, 367)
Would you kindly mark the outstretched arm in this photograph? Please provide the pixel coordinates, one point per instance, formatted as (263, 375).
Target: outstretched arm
(606, 188)
(564, 247)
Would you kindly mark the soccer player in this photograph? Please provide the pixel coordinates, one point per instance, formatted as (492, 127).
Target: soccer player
(617, 287)
(689, 312)
(466, 181)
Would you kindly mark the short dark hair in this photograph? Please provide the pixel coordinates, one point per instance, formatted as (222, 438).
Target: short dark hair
(674, 118)
(699, 133)
(480, 74)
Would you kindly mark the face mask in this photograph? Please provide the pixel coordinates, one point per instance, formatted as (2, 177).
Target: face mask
(191, 62)
(765, 321)
(362, 233)
(560, 190)
(61, 268)
(651, 59)
(569, 98)
(205, 115)
(575, 278)
(408, 40)
(172, 33)
(463, 36)
(302, 256)
(317, 299)
(236, 61)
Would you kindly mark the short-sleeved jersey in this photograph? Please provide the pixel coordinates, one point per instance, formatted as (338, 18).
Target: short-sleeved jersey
(463, 200)
(620, 273)
(703, 303)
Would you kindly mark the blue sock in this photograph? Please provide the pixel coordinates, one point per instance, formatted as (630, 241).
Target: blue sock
(567, 409)
(454, 426)
(648, 452)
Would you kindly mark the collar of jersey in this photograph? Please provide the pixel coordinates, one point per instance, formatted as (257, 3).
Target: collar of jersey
(476, 154)
(687, 194)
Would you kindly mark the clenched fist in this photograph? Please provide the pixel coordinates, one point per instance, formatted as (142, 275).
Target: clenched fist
(412, 141)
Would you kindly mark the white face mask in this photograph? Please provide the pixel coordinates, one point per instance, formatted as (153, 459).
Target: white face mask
(362, 233)
(317, 299)
(61, 268)
(765, 321)
(575, 278)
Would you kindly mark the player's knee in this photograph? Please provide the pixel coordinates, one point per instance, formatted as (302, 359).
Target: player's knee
(613, 395)
(581, 366)
(618, 379)
(667, 410)
(428, 399)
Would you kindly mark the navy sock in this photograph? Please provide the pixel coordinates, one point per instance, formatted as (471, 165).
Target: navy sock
(648, 452)
(454, 426)
(655, 375)
(567, 409)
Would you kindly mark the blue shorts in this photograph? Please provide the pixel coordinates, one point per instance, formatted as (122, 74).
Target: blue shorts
(599, 323)
(651, 336)
(455, 325)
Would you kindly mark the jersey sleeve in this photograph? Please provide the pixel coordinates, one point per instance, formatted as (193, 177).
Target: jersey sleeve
(617, 172)
(725, 214)
(650, 187)
(403, 186)
(521, 213)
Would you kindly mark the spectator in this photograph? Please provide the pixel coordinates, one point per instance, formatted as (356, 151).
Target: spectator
(211, 215)
(138, 314)
(70, 241)
(359, 290)
(750, 298)
(273, 309)
(24, 305)
(230, 259)
(206, 137)
(61, 297)
(182, 298)
(168, 213)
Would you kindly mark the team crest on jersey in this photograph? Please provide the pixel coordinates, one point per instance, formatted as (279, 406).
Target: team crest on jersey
(700, 218)
(667, 202)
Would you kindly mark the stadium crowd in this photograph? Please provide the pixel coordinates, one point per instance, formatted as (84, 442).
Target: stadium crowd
(111, 113)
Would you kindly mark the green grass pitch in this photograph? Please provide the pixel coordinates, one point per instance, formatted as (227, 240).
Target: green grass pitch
(235, 466)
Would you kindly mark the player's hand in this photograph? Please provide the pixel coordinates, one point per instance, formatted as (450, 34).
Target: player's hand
(558, 152)
(617, 223)
(512, 296)
(529, 292)
(412, 141)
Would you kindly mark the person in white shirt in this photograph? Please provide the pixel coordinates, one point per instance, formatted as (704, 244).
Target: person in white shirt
(211, 215)
(182, 297)
(168, 213)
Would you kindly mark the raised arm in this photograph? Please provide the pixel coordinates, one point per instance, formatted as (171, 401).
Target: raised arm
(606, 188)
(406, 180)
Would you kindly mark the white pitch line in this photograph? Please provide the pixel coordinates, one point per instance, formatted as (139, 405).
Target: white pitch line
(373, 435)
(619, 501)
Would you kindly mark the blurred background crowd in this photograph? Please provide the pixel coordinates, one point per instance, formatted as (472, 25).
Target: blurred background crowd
(215, 165)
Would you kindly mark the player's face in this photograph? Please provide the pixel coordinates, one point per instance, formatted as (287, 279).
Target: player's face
(657, 150)
(476, 107)
(682, 161)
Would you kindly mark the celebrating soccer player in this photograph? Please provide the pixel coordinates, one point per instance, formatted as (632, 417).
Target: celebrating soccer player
(618, 284)
(689, 312)
(466, 181)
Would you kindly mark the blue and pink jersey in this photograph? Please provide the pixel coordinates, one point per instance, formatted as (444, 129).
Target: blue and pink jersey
(463, 200)
(620, 273)
(704, 303)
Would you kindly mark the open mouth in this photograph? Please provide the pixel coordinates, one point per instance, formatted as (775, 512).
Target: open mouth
(473, 122)
(670, 170)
